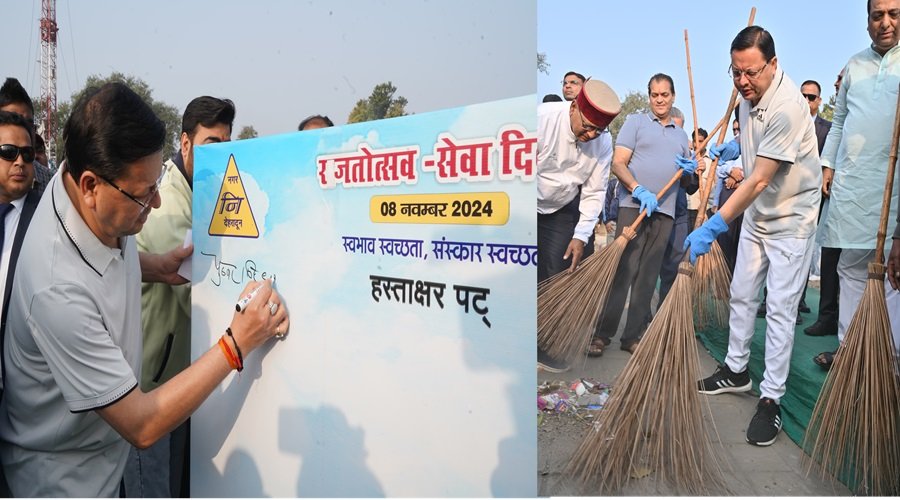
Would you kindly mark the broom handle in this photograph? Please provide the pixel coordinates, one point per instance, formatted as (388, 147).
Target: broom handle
(659, 196)
(888, 188)
(710, 174)
(711, 169)
(711, 134)
(687, 53)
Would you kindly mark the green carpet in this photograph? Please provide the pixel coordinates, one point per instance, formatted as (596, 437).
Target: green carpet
(805, 379)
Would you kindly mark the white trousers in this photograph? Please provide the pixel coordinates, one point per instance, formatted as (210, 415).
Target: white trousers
(783, 265)
(853, 273)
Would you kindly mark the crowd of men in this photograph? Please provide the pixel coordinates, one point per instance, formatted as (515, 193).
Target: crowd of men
(787, 181)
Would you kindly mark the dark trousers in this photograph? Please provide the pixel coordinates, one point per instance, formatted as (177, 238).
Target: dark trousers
(673, 257)
(728, 240)
(638, 270)
(554, 233)
(692, 219)
(828, 301)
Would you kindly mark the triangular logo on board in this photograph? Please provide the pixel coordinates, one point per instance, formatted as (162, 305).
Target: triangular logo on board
(233, 215)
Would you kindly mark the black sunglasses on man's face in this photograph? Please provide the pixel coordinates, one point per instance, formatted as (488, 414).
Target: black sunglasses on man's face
(10, 152)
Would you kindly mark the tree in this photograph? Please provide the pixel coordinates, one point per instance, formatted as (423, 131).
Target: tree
(827, 111)
(248, 132)
(635, 102)
(167, 113)
(381, 104)
(542, 65)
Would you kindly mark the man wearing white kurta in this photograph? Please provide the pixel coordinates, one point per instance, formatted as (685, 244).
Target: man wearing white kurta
(779, 199)
(856, 160)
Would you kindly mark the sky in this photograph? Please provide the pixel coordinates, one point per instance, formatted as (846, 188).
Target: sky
(631, 41)
(280, 60)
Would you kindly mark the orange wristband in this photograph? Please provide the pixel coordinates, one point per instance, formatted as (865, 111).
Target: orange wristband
(229, 355)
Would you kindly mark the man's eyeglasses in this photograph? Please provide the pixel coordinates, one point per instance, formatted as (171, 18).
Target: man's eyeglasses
(585, 126)
(145, 202)
(735, 131)
(810, 97)
(10, 152)
(749, 73)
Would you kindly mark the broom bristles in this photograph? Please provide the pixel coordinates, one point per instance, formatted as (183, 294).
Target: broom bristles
(570, 303)
(854, 432)
(651, 418)
(711, 289)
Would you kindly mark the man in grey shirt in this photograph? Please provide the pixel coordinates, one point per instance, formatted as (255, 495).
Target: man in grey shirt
(72, 404)
(650, 148)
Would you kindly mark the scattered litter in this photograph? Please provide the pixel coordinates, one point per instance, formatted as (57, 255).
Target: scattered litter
(592, 401)
(576, 397)
(555, 401)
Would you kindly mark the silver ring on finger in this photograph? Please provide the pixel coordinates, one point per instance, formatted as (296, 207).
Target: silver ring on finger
(273, 308)
(278, 334)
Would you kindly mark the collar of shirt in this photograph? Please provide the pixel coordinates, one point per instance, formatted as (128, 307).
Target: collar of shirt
(657, 120)
(893, 49)
(18, 203)
(94, 253)
(178, 160)
(570, 136)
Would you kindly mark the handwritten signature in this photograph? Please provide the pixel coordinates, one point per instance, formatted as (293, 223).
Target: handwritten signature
(226, 271)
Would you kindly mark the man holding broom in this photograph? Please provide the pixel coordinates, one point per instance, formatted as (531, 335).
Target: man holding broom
(855, 158)
(650, 148)
(779, 199)
(574, 153)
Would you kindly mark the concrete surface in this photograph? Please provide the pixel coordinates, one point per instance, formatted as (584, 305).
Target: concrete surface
(774, 470)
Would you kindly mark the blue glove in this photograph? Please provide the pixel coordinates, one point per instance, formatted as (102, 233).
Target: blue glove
(726, 152)
(647, 199)
(700, 240)
(688, 164)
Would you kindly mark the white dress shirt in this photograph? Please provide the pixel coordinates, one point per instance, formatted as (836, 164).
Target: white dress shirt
(565, 165)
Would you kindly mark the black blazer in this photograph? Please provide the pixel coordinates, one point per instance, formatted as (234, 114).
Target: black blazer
(31, 202)
(822, 128)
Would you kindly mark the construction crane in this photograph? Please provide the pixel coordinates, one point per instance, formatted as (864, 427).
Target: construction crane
(48, 76)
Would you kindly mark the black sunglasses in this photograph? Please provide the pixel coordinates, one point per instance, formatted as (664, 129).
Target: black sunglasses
(10, 152)
(810, 97)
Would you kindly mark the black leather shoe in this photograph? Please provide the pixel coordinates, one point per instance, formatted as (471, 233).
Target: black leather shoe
(803, 307)
(821, 329)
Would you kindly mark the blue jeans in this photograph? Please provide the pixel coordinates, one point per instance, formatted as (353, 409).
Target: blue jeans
(156, 472)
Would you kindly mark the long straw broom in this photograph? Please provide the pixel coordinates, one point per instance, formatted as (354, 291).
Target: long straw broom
(653, 417)
(712, 277)
(570, 303)
(854, 431)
